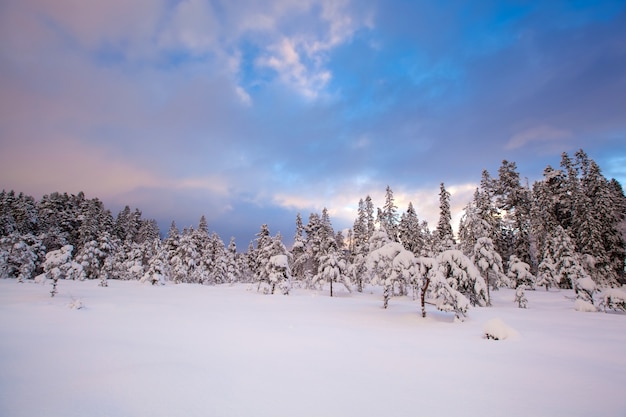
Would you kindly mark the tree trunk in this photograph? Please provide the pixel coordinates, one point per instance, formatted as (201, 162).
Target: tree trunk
(488, 294)
(423, 297)
(331, 287)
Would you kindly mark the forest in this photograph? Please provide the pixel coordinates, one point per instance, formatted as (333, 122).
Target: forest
(567, 230)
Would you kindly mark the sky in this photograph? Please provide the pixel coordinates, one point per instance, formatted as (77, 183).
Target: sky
(251, 111)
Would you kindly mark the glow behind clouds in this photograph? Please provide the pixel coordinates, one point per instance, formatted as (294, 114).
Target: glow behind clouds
(249, 111)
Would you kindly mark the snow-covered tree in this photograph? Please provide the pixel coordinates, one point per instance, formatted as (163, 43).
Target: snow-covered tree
(568, 265)
(410, 231)
(58, 265)
(233, 271)
(91, 258)
(185, 259)
(20, 255)
(444, 235)
(274, 267)
(547, 275)
(519, 273)
(388, 217)
(445, 296)
(513, 201)
(520, 296)
(333, 268)
(393, 267)
(463, 276)
(298, 252)
(158, 268)
(473, 226)
(585, 289)
(489, 264)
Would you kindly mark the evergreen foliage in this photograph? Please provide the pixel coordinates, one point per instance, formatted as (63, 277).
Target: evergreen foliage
(568, 231)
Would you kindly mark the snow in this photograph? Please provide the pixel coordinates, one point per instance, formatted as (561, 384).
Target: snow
(496, 329)
(190, 350)
(586, 284)
(584, 306)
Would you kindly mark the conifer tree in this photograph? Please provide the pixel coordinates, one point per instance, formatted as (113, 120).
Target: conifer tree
(298, 252)
(274, 272)
(395, 268)
(369, 217)
(58, 265)
(157, 272)
(519, 273)
(388, 216)
(410, 232)
(444, 235)
(547, 275)
(232, 263)
(514, 201)
(473, 226)
(489, 263)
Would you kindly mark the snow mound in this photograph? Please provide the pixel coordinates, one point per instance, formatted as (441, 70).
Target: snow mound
(76, 304)
(584, 306)
(496, 329)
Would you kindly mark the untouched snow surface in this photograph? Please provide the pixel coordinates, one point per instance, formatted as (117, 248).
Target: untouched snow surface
(134, 349)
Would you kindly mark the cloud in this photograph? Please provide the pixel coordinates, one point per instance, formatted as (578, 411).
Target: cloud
(286, 61)
(542, 134)
(193, 26)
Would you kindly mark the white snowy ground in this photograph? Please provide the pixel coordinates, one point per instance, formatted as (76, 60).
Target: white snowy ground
(190, 350)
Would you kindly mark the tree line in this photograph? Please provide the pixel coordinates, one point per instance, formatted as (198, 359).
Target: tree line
(565, 231)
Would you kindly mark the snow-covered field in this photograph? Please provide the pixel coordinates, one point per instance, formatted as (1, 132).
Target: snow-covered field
(191, 350)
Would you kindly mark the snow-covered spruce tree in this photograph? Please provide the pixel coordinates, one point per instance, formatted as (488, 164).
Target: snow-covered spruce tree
(462, 275)
(393, 267)
(359, 229)
(445, 296)
(520, 296)
(489, 264)
(91, 259)
(388, 217)
(410, 231)
(444, 235)
(133, 267)
(363, 231)
(211, 268)
(185, 259)
(233, 272)
(58, 265)
(333, 268)
(298, 253)
(20, 255)
(547, 275)
(519, 273)
(472, 226)
(546, 210)
(204, 250)
(596, 228)
(158, 267)
(18, 214)
(369, 217)
(314, 239)
(513, 200)
(617, 240)
(568, 266)
(273, 263)
(357, 269)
